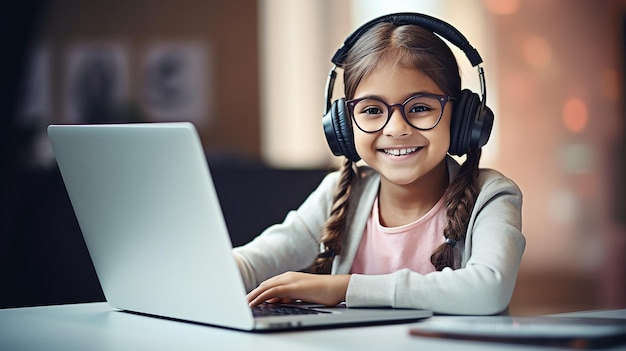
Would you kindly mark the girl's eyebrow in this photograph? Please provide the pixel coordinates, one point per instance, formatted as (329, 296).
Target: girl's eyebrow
(379, 97)
(371, 96)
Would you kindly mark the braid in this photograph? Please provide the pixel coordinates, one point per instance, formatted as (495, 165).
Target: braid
(460, 199)
(334, 228)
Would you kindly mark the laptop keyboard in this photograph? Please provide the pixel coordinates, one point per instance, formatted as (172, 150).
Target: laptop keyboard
(269, 309)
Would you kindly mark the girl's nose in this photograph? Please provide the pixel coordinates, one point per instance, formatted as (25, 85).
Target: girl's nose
(397, 126)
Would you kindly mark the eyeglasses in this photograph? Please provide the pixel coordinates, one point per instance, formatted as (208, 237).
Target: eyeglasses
(421, 111)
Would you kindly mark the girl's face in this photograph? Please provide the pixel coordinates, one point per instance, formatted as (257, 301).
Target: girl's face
(395, 84)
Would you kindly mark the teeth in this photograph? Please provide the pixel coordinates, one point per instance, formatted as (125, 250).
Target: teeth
(399, 152)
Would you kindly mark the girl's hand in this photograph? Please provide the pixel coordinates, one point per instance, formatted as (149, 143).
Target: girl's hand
(324, 289)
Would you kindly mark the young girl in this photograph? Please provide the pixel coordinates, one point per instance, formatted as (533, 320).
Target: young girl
(413, 228)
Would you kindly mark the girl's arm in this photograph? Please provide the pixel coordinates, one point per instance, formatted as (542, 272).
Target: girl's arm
(485, 283)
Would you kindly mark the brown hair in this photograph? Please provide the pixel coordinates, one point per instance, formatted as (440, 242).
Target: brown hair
(335, 226)
(414, 47)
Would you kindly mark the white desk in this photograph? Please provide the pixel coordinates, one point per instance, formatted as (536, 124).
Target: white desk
(96, 326)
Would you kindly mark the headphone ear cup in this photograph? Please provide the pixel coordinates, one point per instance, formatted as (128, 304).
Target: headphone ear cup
(338, 130)
(482, 127)
(471, 124)
(462, 116)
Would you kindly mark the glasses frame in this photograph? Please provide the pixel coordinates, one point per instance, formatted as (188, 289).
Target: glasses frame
(443, 100)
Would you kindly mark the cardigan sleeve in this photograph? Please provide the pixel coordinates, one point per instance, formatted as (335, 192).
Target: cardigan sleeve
(483, 285)
(291, 245)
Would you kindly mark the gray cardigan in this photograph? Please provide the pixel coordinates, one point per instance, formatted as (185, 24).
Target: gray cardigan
(483, 285)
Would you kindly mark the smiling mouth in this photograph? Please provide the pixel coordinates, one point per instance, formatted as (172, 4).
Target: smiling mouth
(400, 152)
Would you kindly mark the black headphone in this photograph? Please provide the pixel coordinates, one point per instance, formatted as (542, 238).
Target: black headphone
(472, 119)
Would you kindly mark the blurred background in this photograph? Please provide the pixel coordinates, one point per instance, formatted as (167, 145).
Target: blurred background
(250, 75)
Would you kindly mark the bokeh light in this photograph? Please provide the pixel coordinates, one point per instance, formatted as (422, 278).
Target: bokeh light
(502, 7)
(575, 115)
(537, 51)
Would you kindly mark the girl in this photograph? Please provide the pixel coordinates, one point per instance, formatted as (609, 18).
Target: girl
(412, 229)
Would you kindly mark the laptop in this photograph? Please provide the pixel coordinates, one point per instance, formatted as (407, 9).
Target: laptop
(151, 219)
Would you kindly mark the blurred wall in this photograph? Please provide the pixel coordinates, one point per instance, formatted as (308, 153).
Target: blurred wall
(224, 31)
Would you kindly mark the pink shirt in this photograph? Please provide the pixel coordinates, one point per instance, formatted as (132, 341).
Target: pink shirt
(389, 249)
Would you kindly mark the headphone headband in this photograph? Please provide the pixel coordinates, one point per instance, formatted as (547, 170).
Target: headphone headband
(435, 25)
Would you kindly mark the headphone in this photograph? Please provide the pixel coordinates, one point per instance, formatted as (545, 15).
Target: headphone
(472, 119)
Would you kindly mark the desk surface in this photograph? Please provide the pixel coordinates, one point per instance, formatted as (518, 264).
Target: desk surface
(97, 326)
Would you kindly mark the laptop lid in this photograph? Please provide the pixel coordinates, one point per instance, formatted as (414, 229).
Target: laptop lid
(150, 216)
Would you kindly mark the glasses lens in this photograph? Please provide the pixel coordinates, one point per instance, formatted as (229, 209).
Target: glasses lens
(370, 114)
(423, 111)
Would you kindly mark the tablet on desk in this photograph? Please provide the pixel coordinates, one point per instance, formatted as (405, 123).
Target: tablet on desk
(575, 332)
